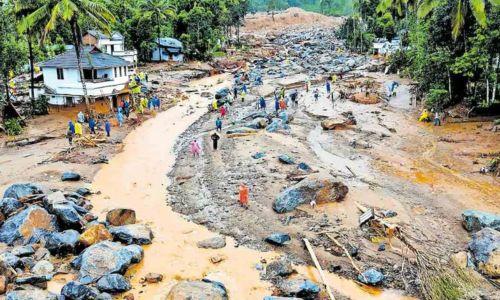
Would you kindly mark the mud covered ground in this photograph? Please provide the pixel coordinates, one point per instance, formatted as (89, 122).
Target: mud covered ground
(427, 175)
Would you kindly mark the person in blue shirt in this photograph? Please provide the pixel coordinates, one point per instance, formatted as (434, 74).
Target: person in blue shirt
(92, 125)
(218, 124)
(107, 126)
(328, 86)
(71, 127)
(245, 88)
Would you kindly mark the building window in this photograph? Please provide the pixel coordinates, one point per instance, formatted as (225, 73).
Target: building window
(116, 75)
(60, 74)
(126, 71)
(87, 74)
(121, 72)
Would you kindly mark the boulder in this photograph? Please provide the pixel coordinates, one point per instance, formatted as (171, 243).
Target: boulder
(21, 251)
(83, 191)
(7, 271)
(278, 239)
(20, 190)
(475, 220)
(136, 253)
(61, 243)
(10, 259)
(121, 216)
(307, 190)
(31, 295)
(258, 155)
(68, 217)
(41, 253)
(132, 234)
(106, 296)
(20, 227)
(485, 249)
(257, 123)
(197, 290)
(28, 262)
(153, 278)
(9, 206)
(216, 242)
(102, 259)
(304, 167)
(43, 267)
(113, 283)
(76, 291)
(94, 234)
(286, 159)
(278, 125)
(371, 277)
(33, 279)
(334, 124)
(70, 176)
(281, 267)
(301, 288)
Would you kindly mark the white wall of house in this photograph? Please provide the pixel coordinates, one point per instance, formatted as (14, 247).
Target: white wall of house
(107, 45)
(71, 85)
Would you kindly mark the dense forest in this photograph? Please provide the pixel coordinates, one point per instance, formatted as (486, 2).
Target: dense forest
(450, 48)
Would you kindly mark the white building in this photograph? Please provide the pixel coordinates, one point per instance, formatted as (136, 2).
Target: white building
(383, 46)
(167, 49)
(113, 45)
(105, 76)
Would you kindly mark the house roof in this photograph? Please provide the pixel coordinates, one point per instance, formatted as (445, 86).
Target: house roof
(169, 43)
(92, 58)
(115, 36)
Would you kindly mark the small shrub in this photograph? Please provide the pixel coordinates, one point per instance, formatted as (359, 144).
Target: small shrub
(436, 98)
(41, 105)
(13, 127)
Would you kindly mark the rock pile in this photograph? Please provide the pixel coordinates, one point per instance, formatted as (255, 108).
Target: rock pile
(39, 226)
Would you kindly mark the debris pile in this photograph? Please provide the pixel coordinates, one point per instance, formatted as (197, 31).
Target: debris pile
(47, 233)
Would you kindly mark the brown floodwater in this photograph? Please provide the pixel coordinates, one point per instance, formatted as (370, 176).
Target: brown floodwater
(137, 178)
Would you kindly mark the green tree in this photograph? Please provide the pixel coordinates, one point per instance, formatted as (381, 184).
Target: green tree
(159, 11)
(460, 10)
(51, 13)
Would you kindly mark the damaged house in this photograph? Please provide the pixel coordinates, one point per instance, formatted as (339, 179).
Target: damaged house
(113, 44)
(105, 77)
(167, 49)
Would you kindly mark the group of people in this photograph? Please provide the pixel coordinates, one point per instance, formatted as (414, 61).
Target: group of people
(425, 116)
(76, 128)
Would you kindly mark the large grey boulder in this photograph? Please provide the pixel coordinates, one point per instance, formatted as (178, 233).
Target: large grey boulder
(197, 290)
(43, 267)
(113, 283)
(102, 259)
(280, 267)
(312, 188)
(23, 250)
(10, 259)
(132, 234)
(76, 291)
(9, 206)
(21, 226)
(20, 190)
(216, 242)
(70, 176)
(31, 295)
(371, 277)
(485, 249)
(60, 243)
(302, 288)
(475, 220)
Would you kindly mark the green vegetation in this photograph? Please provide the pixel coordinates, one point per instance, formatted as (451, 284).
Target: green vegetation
(450, 47)
(13, 127)
(327, 7)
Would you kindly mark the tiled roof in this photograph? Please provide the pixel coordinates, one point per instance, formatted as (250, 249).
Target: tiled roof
(92, 58)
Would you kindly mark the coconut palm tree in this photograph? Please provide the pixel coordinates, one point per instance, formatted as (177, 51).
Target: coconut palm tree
(50, 13)
(23, 8)
(460, 10)
(159, 10)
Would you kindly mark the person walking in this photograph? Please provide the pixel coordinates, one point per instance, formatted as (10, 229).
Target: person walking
(195, 148)
(282, 104)
(276, 104)
(92, 125)
(69, 136)
(262, 103)
(215, 139)
(243, 95)
(243, 191)
(437, 119)
(245, 88)
(235, 92)
(119, 117)
(107, 127)
(218, 124)
(328, 87)
(222, 111)
(78, 129)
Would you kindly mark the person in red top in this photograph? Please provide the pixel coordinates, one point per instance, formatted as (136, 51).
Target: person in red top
(244, 195)
(282, 104)
(222, 111)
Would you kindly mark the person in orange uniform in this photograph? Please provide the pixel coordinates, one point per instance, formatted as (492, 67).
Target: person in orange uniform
(244, 195)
